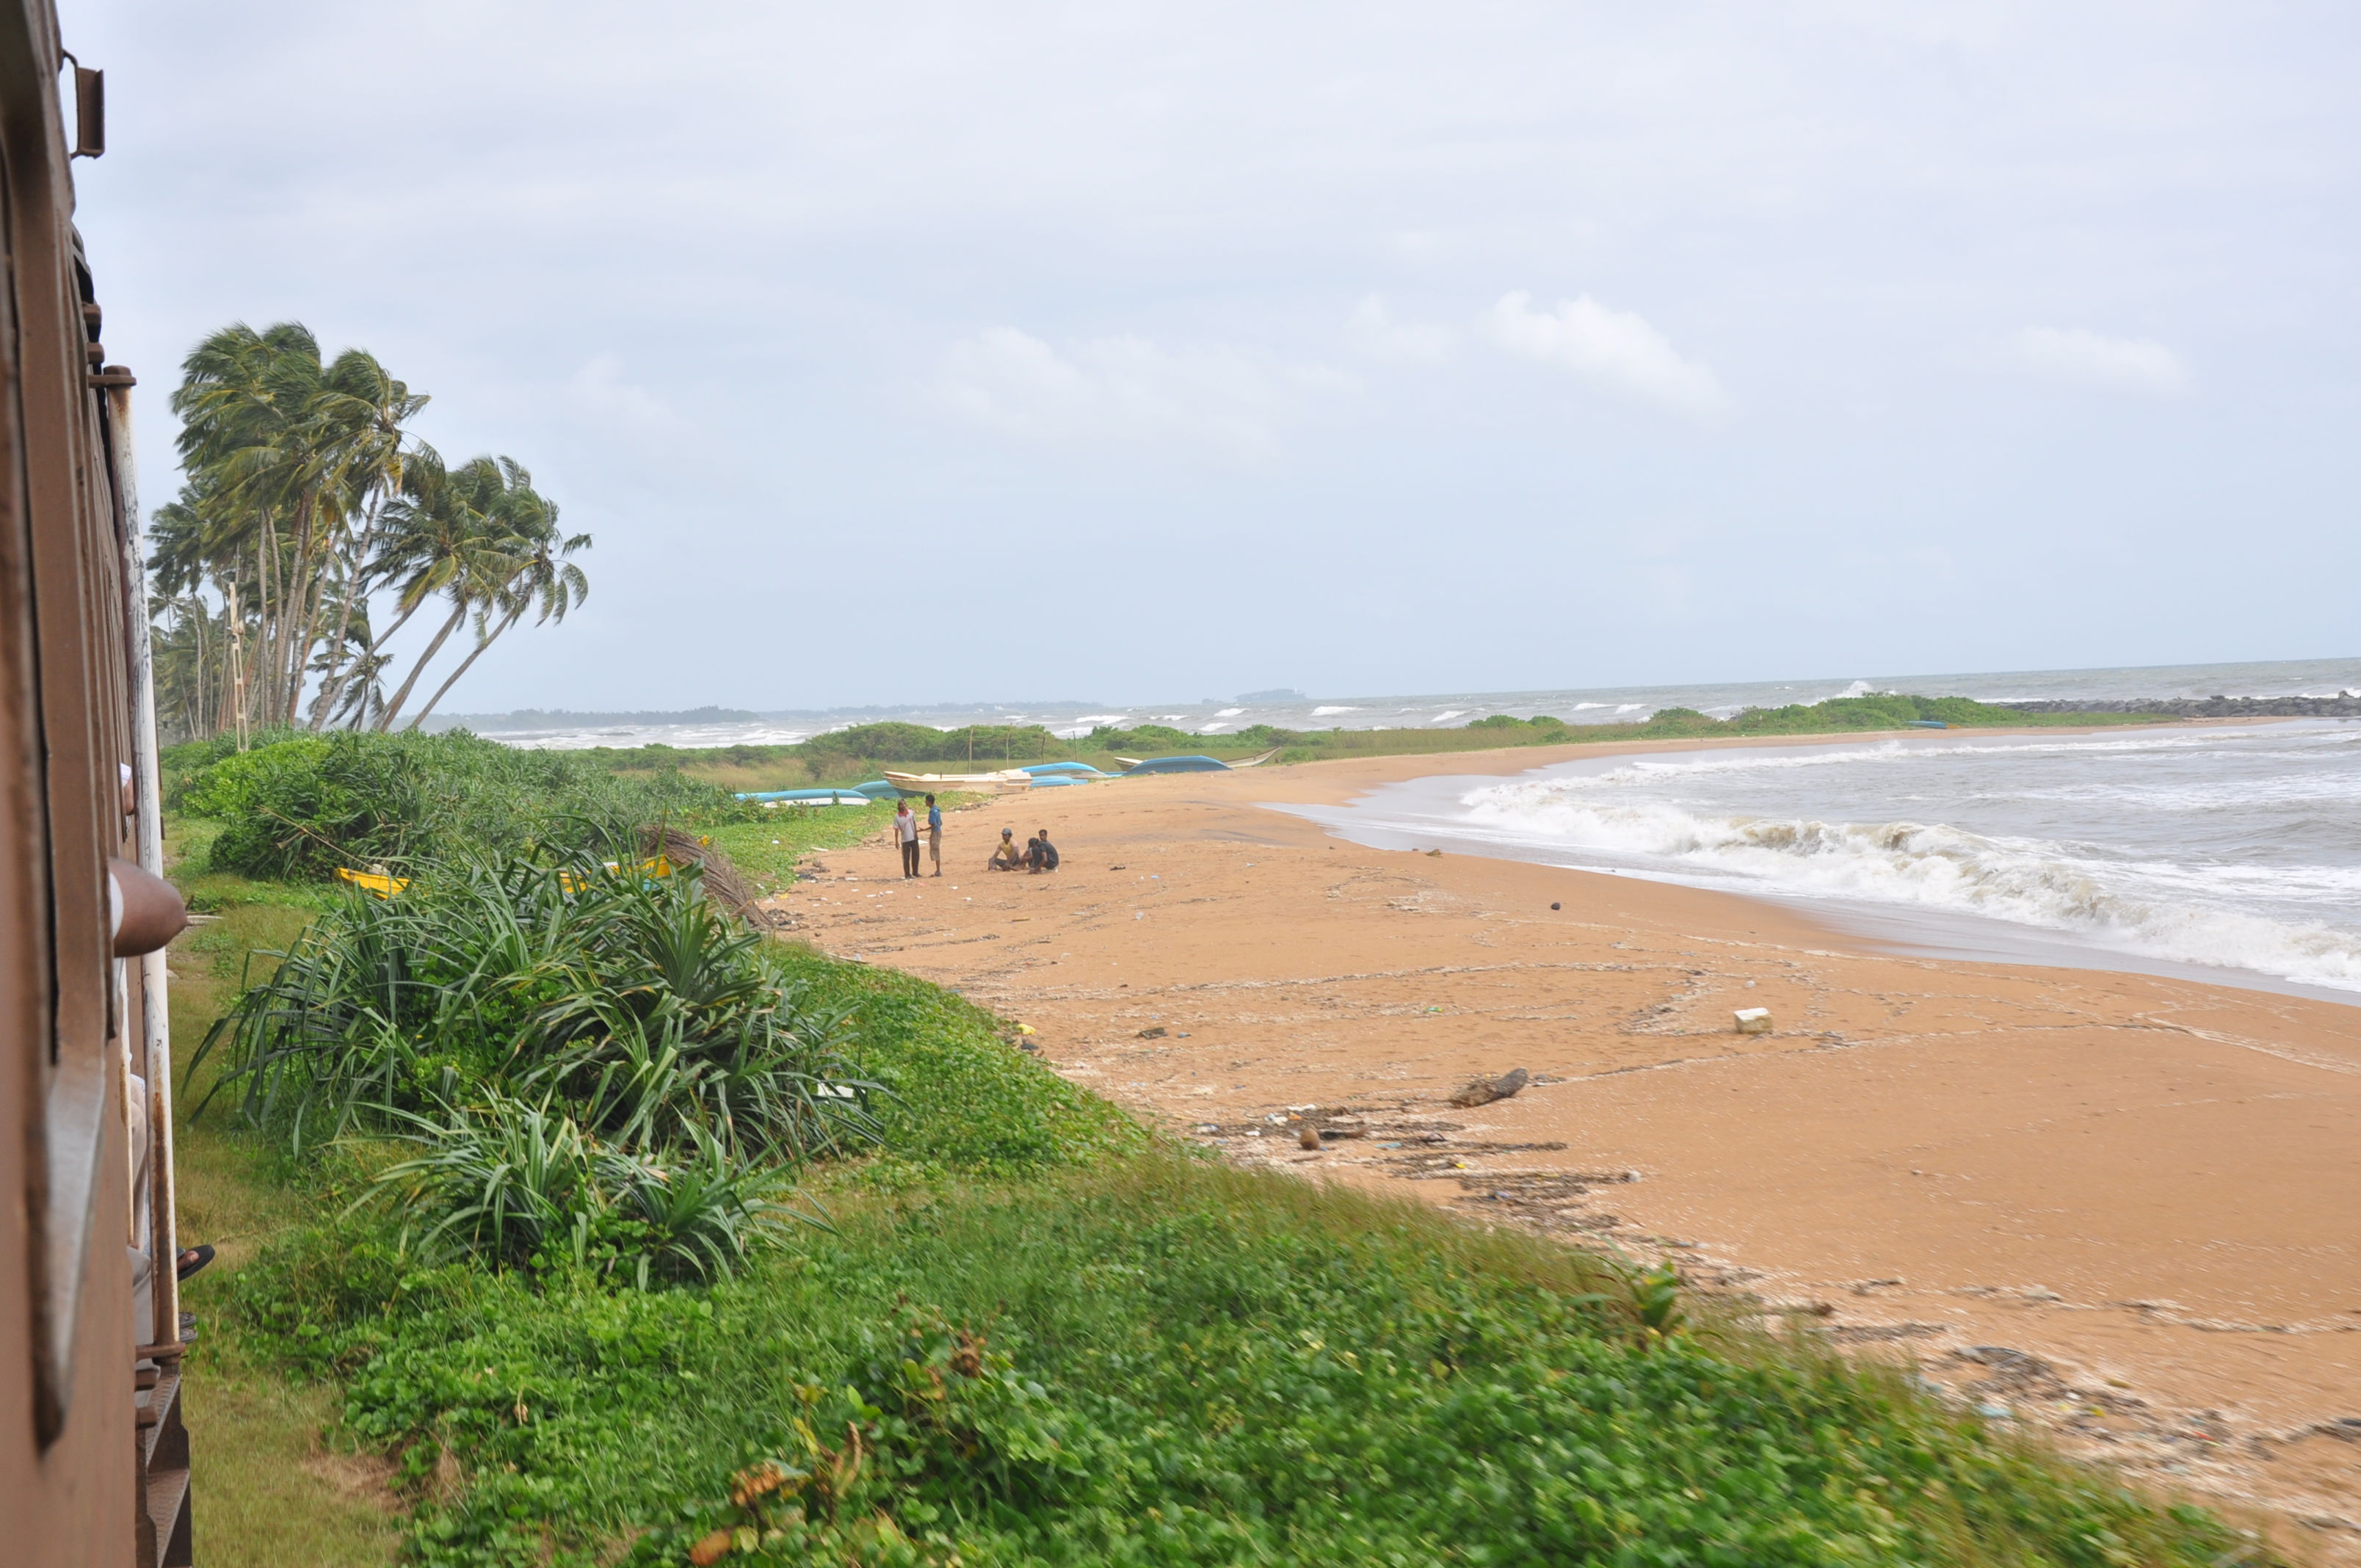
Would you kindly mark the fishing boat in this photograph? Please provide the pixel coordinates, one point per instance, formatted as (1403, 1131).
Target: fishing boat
(845, 796)
(971, 784)
(1193, 763)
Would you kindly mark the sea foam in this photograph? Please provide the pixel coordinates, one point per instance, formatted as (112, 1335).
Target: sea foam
(2194, 848)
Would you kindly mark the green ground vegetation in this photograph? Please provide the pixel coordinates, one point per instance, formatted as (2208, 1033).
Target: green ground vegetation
(862, 752)
(971, 1313)
(1839, 716)
(284, 1484)
(294, 807)
(768, 849)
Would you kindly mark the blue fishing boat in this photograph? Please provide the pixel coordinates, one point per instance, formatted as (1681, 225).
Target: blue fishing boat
(845, 795)
(1189, 764)
(1193, 763)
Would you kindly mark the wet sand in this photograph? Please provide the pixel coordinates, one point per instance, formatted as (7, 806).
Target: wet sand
(2125, 1206)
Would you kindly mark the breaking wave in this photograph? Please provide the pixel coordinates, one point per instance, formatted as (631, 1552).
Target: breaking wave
(2230, 915)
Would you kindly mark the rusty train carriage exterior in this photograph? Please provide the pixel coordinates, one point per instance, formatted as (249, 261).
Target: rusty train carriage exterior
(94, 1460)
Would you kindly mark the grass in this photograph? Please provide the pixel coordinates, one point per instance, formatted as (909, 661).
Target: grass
(1031, 1332)
(1154, 1359)
(766, 851)
(271, 1490)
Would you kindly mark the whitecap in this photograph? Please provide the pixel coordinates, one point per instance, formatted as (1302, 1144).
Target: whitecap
(2158, 907)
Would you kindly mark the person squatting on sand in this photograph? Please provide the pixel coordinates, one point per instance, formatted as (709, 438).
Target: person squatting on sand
(1006, 856)
(905, 833)
(1039, 853)
(935, 834)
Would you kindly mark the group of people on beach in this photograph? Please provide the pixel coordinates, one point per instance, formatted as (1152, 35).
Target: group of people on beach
(1037, 855)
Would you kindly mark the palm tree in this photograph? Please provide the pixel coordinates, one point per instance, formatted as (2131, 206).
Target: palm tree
(359, 397)
(236, 401)
(307, 496)
(199, 537)
(445, 535)
(303, 456)
(540, 575)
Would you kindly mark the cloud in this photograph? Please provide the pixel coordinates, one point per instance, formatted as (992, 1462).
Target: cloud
(2074, 354)
(598, 391)
(1615, 349)
(1128, 392)
(1373, 331)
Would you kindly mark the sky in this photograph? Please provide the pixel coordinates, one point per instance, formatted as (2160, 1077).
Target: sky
(921, 352)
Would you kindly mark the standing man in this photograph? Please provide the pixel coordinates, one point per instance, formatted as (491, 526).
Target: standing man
(935, 834)
(905, 833)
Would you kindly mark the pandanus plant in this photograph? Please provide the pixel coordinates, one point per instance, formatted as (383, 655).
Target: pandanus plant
(528, 1017)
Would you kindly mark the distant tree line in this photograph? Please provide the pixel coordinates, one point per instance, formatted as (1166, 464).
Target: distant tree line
(306, 498)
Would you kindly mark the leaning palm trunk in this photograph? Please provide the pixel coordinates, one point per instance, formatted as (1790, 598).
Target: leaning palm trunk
(393, 708)
(472, 654)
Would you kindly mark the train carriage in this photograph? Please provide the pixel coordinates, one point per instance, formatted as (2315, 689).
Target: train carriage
(94, 1458)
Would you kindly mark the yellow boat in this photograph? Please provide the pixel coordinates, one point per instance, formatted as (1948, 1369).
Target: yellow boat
(386, 887)
(655, 867)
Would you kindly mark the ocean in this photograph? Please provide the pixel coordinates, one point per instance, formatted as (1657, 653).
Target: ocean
(2227, 854)
(1596, 705)
(2231, 854)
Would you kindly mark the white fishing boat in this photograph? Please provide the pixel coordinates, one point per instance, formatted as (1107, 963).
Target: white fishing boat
(997, 783)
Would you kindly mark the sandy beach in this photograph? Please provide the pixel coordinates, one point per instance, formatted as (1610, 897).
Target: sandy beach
(2124, 1208)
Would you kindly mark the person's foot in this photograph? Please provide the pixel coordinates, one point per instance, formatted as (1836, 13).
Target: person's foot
(191, 1260)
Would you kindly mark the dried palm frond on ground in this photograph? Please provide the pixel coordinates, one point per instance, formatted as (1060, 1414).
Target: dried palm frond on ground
(723, 883)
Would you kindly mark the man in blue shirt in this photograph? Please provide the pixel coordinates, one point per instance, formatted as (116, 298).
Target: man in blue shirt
(935, 833)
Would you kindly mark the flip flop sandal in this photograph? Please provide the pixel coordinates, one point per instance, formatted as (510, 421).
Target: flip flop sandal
(192, 1259)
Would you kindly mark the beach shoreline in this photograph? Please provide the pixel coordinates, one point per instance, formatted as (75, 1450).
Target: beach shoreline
(2119, 1206)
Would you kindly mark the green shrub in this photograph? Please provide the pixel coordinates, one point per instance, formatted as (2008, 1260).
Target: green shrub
(644, 1009)
(1262, 735)
(299, 807)
(988, 744)
(1151, 737)
(518, 1184)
